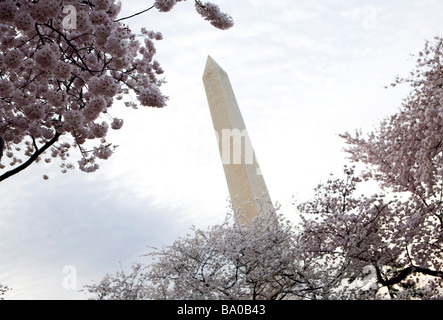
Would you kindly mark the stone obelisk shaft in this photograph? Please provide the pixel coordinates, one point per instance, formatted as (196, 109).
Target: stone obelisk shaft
(247, 188)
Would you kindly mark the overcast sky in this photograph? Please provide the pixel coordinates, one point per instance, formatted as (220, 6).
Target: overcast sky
(302, 71)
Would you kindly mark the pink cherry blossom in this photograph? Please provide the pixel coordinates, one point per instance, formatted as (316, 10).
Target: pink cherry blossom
(165, 5)
(117, 123)
(211, 12)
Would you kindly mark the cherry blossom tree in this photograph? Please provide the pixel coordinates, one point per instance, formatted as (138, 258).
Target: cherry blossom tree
(231, 261)
(406, 152)
(226, 261)
(63, 64)
(122, 286)
(382, 246)
(405, 155)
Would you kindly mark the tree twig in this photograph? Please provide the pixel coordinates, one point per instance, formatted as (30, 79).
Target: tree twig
(36, 154)
(136, 14)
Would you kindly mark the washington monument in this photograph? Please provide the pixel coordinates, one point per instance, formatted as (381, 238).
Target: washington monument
(247, 188)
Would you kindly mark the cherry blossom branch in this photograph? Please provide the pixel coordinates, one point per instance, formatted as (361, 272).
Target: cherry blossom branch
(200, 4)
(75, 49)
(34, 157)
(29, 81)
(404, 273)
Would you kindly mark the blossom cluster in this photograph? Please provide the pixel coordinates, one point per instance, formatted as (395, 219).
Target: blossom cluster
(209, 11)
(407, 149)
(57, 81)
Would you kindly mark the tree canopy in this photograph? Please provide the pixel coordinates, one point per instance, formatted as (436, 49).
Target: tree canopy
(63, 66)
